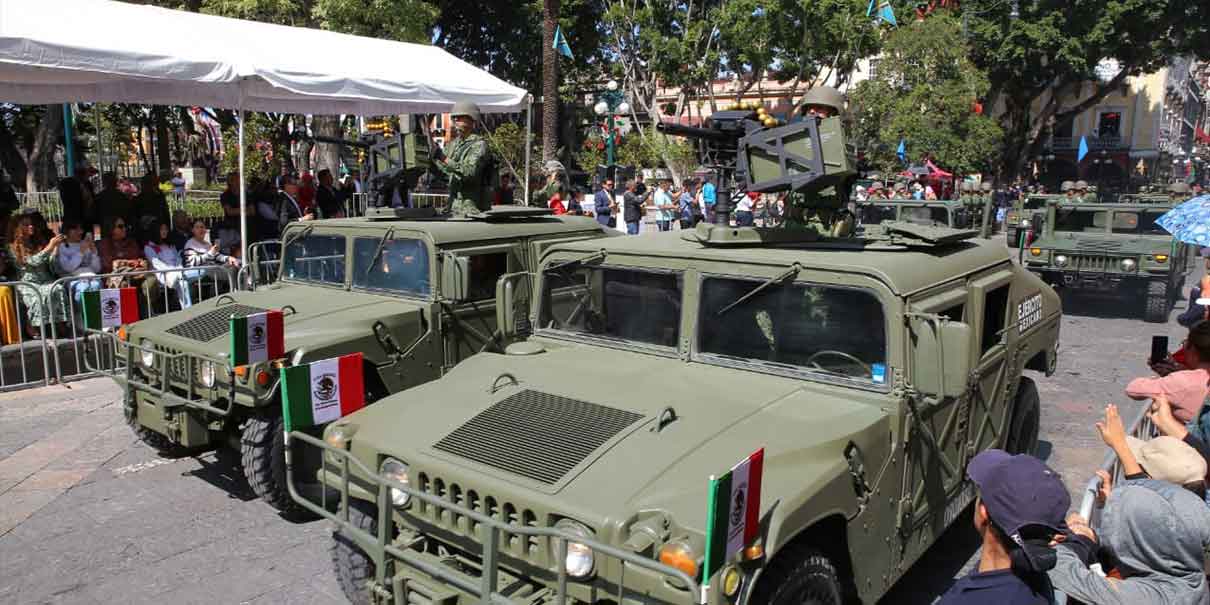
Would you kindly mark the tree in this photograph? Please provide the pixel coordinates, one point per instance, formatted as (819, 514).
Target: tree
(1042, 62)
(550, 80)
(924, 93)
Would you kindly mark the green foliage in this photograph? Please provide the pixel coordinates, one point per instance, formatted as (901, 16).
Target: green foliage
(924, 91)
(507, 143)
(257, 165)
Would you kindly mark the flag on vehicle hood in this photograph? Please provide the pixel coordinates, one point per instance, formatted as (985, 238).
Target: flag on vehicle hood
(733, 514)
(322, 391)
(257, 337)
(110, 308)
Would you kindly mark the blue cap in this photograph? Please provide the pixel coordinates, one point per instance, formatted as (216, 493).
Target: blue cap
(1019, 491)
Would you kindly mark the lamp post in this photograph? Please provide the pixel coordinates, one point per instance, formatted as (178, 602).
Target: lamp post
(1101, 161)
(610, 103)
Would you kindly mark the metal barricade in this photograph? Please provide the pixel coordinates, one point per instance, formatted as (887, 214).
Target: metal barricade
(191, 285)
(356, 204)
(429, 200)
(17, 371)
(493, 535)
(263, 268)
(1142, 428)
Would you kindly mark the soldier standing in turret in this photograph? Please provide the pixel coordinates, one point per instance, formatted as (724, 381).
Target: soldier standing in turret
(466, 163)
(1068, 191)
(1083, 194)
(1178, 192)
(823, 211)
(554, 172)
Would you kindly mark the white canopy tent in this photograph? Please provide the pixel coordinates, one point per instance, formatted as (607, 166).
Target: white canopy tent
(64, 51)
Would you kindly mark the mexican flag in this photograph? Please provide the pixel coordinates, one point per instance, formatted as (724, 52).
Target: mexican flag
(733, 514)
(322, 391)
(257, 337)
(110, 308)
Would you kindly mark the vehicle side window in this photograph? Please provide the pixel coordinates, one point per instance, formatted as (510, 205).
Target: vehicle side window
(316, 258)
(402, 265)
(953, 313)
(486, 270)
(995, 313)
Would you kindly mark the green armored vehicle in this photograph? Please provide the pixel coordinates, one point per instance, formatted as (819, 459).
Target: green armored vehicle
(575, 465)
(412, 291)
(1026, 215)
(943, 213)
(1111, 248)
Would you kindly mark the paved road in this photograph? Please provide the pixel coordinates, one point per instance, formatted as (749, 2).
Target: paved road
(90, 515)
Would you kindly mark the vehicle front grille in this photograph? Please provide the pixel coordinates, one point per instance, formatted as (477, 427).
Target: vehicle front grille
(177, 366)
(1096, 264)
(212, 324)
(1098, 246)
(536, 435)
(529, 548)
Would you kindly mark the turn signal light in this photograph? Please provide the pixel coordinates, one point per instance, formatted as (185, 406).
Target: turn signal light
(1035, 251)
(122, 333)
(262, 378)
(241, 371)
(678, 556)
(1161, 258)
(754, 552)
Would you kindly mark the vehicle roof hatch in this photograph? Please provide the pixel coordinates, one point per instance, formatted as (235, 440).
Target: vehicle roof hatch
(400, 214)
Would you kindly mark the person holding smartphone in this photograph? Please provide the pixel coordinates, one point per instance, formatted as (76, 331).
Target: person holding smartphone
(1184, 378)
(78, 257)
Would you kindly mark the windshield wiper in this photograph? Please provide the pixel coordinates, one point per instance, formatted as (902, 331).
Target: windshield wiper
(296, 235)
(382, 244)
(791, 272)
(575, 261)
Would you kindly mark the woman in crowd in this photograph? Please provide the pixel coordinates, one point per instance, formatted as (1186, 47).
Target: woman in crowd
(33, 250)
(121, 254)
(78, 257)
(163, 256)
(150, 207)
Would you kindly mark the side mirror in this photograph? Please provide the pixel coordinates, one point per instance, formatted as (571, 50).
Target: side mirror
(512, 308)
(455, 278)
(940, 356)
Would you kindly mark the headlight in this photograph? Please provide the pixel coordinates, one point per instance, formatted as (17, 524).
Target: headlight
(1060, 260)
(206, 373)
(579, 561)
(396, 471)
(1025, 223)
(1035, 251)
(1128, 264)
(146, 356)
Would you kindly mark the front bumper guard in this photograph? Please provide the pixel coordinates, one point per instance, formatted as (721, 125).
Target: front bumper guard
(486, 587)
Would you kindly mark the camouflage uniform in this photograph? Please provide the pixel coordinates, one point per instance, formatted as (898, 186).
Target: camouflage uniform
(464, 164)
(822, 212)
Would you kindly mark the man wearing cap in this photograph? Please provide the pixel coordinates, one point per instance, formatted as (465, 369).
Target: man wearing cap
(1067, 188)
(465, 163)
(1178, 192)
(1083, 194)
(1018, 511)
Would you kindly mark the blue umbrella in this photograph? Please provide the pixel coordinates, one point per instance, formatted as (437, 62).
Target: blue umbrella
(1189, 222)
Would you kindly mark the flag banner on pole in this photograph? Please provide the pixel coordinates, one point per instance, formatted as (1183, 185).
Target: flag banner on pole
(1083, 150)
(257, 337)
(561, 44)
(322, 391)
(901, 153)
(110, 308)
(733, 513)
(886, 13)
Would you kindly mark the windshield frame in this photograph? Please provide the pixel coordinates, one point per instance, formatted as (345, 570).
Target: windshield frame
(696, 353)
(315, 230)
(430, 248)
(597, 339)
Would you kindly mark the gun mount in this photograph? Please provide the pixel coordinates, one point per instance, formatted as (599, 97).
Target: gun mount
(388, 163)
(807, 156)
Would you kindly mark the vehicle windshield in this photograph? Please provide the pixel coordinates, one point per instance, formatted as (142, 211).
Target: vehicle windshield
(613, 303)
(401, 266)
(874, 214)
(795, 326)
(315, 258)
(1034, 203)
(1072, 220)
(1138, 223)
(925, 215)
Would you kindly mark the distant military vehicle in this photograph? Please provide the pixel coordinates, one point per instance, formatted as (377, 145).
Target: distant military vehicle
(575, 465)
(1026, 216)
(944, 213)
(413, 292)
(1111, 249)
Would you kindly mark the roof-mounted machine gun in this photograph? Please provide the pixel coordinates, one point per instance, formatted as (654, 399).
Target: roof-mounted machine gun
(389, 163)
(807, 156)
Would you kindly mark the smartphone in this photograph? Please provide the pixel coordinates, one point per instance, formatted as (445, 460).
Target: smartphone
(1159, 348)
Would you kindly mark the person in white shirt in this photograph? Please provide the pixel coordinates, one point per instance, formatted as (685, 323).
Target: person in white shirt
(664, 207)
(163, 256)
(78, 257)
(199, 252)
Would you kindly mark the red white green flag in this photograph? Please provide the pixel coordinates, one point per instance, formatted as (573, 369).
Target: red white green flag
(110, 308)
(733, 515)
(257, 337)
(322, 391)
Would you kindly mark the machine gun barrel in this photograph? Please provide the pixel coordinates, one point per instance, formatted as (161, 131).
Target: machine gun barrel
(319, 138)
(694, 132)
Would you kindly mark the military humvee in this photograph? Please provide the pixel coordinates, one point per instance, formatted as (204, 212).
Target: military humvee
(1025, 215)
(943, 213)
(575, 464)
(412, 291)
(1114, 248)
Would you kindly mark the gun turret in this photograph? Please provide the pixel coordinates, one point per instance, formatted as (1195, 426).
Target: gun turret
(389, 163)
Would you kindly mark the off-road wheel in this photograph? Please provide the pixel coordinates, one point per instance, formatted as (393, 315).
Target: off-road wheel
(1026, 420)
(1155, 308)
(352, 565)
(262, 454)
(161, 444)
(799, 575)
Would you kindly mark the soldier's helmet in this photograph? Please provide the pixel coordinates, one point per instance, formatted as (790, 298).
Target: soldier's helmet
(965, 186)
(824, 96)
(465, 108)
(1178, 188)
(1081, 186)
(986, 186)
(554, 166)
(1067, 186)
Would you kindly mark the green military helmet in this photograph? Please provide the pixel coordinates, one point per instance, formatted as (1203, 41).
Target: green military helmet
(986, 187)
(966, 186)
(1080, 186)
(466, 108)
(1066, 186)
(824, 96)
(1178, 188)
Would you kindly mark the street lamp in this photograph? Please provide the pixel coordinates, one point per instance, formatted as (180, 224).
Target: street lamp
(610, 103)
(1101, 162)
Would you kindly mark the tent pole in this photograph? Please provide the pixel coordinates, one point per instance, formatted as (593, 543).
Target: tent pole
(529, 120)
(243, 202)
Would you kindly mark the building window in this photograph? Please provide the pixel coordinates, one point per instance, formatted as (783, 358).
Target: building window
(1109, 124)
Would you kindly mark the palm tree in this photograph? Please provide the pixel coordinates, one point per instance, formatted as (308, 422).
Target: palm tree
(550, 80)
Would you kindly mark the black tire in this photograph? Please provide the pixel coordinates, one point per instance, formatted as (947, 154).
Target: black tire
(799, 575)
(160, 443)
(353, 567)
(1156, 302)
(262, 454)
(1026, 420)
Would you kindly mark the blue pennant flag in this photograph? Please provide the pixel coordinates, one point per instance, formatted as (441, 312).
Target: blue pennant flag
(886, 13)
(902, 151)
(1083, 151)
(869, 12)
(561, 43)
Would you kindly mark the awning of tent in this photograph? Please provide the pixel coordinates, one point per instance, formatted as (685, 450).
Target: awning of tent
(60, 51)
